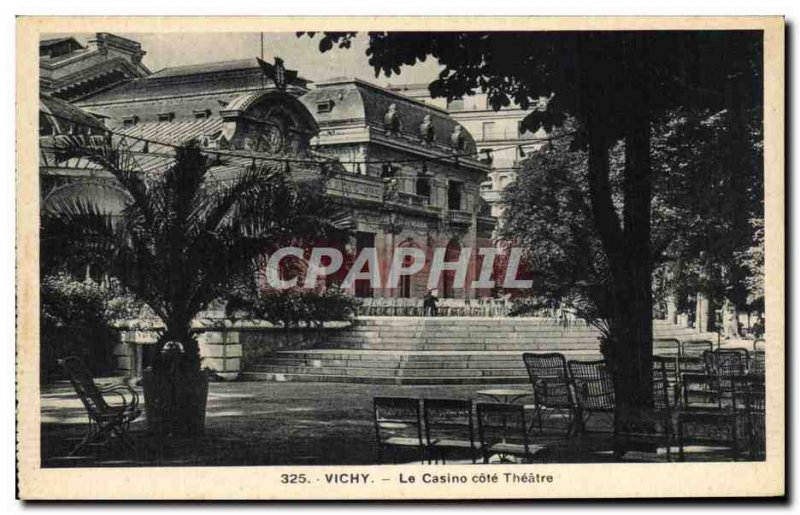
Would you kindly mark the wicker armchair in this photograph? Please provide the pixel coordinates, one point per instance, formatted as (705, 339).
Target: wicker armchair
(553, 395)
(105, 420)
(594, 390)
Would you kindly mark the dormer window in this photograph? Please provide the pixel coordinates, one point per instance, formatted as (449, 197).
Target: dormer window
(130, 121)
(325, 107)
(202, 114)
(166, 117)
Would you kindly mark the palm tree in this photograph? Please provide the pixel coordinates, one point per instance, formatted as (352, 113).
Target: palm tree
(187, 229)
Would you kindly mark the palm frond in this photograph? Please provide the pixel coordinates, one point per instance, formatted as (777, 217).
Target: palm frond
(115, 158)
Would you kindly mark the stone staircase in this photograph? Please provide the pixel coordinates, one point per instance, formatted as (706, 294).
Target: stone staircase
(445, 350)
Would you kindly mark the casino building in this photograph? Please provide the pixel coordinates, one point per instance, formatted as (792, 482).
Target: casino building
(408, 173)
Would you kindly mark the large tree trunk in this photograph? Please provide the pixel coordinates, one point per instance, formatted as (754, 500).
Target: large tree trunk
(629, 348)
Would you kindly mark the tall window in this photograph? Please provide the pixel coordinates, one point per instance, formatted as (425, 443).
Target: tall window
(423, 187)
(362, 286)
(454, 196)
(488, 130)
(405, 280)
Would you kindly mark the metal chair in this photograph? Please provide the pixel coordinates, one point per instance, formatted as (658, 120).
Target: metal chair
(733, 360)
(757, 363)
(723, 365)
(502, 430)
(105, 420)
(672, 372)
(398, 425)
(653, 430)
(448, 425)
(704, 415)
(665, 396)
(594, 390)
(552, 388)
(749, 404)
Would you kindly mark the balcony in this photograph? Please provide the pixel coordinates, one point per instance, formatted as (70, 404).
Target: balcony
(509, 134)
(459, 217)
(412, 199)
(491, 196)
(361, 187)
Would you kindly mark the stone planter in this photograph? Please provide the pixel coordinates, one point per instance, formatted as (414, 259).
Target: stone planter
(175, 403)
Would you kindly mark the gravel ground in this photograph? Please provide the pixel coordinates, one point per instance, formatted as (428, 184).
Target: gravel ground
(261, 423)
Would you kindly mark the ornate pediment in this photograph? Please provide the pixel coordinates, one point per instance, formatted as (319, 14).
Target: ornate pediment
(269, 121)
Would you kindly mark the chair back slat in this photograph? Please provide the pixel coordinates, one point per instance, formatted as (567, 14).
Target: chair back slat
(594, 386)
(549, 378)
(758, 362)
(691, 365)
(698, 391)
(667, 346)
(662, 387)
(749, 393)
(397, 417)
(727, 362)
(696, 347)
(448, 419)
(84, 385)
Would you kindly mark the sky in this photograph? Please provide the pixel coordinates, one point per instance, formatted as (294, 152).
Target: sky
(301, 54)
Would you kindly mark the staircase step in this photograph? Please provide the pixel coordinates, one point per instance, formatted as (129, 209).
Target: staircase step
(489, 380)
(442, 350)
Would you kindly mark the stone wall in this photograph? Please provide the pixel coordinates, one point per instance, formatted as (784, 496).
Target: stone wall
(259, 343)
(225, 347)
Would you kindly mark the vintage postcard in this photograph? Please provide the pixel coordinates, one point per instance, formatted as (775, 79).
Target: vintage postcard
(400, 258)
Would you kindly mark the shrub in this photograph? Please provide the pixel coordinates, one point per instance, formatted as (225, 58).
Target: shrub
(295, 306)
(76, 318)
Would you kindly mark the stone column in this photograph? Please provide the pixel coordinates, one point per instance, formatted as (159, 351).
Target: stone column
(222, 352)
(672, 309)
(703, 313)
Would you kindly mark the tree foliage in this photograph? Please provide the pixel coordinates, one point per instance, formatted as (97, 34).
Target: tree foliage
(694, 215)
(187, 230)
(615, 84)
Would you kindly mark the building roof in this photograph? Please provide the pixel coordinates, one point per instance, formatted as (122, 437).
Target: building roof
(203, 68)
(354, 101)
(72, 71)
(64, 113)
(176, 132)
(46, 43)
(197, 79)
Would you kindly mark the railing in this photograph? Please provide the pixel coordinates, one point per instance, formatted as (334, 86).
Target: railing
(480, 307)
(486, 307)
